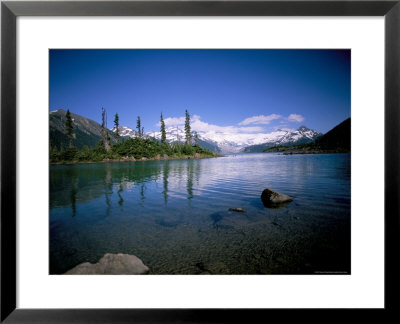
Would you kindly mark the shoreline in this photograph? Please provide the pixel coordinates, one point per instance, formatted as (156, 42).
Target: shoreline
(143, 159)
(309, 152)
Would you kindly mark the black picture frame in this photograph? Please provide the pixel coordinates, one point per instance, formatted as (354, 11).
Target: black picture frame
(10, 10)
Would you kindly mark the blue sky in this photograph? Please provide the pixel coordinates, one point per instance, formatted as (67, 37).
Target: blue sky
(233, 90)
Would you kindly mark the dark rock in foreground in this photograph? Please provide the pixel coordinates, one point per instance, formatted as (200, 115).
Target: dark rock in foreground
(116, 264)
(271, 198)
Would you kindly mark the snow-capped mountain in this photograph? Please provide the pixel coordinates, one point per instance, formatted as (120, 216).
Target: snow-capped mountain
(236, 142)
(302, 135)
(125, 131)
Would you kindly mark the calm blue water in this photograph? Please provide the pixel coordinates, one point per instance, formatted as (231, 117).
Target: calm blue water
(174, 214)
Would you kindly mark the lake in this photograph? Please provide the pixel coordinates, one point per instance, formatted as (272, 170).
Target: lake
(174, 215)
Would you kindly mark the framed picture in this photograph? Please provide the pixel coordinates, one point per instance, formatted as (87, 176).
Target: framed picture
(234, 155)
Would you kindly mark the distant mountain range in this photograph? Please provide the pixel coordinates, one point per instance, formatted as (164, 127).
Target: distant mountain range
(88, 132)
(338, 139)
(251, 143)
(302, 135)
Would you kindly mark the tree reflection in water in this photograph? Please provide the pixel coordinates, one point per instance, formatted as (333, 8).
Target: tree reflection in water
(71, 185)
(165, 181)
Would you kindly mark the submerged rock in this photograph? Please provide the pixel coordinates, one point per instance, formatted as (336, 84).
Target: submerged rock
(271, 198)
(239, 210)
(118, 264)
(218, 218)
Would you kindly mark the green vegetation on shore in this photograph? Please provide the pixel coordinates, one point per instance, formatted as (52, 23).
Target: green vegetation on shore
(128, 149)
(136, 148)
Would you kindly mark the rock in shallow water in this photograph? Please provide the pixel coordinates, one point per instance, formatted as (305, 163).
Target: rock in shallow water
(117, 264)
(271, 198)
(239, 210)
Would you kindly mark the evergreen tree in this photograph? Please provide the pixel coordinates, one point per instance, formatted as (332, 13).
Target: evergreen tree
(188, 132)
(196, 138)
(163, 134)
(139, 126)
(53, 153)
(104, 132)
(116, 124)
(69, 127)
